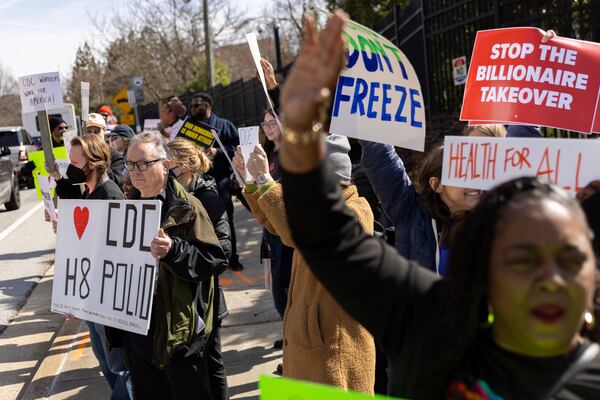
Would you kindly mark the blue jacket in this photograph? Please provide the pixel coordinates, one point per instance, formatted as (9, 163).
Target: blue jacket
(230, 139)
(415, 236)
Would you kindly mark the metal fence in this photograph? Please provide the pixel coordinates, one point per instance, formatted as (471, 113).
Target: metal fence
(433, 32)
(241, 102)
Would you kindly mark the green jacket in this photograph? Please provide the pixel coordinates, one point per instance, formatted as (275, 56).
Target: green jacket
(186, 279)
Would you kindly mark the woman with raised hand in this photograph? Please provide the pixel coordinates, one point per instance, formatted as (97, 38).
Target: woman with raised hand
(322, 343)
(514, 317)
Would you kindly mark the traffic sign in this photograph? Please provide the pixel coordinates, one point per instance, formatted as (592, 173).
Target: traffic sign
(121, 100)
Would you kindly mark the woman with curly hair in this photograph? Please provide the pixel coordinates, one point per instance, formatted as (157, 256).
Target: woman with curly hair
(514, 317)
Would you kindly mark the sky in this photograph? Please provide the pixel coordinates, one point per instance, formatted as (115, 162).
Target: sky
(43, 35)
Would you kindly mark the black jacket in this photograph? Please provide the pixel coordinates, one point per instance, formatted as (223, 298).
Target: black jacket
(398, 301)
(205, 189)
(66, 190)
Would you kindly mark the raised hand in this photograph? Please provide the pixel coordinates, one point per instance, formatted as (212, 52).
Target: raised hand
(258, 164)
(269, 74)
(238, 162)
(315, 72)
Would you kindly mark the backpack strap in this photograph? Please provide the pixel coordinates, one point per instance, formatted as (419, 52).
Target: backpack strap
(579, 365)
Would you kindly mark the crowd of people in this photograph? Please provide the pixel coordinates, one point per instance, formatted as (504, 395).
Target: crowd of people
(400, 285)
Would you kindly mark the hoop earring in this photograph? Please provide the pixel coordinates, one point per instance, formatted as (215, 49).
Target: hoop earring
(490, 318)
(589, 320)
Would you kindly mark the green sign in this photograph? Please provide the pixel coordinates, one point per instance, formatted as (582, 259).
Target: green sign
(275, 388)
(60, 153)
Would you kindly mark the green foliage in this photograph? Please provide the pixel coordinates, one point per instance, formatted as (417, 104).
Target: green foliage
(367, 12)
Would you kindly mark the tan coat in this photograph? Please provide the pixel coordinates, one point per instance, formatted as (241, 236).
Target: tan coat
(322, 343)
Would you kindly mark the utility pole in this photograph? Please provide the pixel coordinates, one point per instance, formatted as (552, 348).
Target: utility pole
(210, 65)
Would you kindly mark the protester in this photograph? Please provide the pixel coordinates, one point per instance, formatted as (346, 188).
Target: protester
(120, 137)
(322, 343)
(168, 362)
(201, 109)
(422, 212)
(189, 164)
(279, 254)
(57, 127)
(89, 160)
(589, 197)
(170, 114)
(491, 130)
(107, 113)
(510, 320)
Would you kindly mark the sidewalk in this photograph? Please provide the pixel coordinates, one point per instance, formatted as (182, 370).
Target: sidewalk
(44, 356)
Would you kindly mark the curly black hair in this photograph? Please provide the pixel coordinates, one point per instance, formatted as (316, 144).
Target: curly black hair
(464, 290)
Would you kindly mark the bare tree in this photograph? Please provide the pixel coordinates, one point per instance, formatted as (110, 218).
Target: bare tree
(8, 84)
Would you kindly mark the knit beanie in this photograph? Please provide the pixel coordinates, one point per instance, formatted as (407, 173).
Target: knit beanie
(54, 122)
(337, 154)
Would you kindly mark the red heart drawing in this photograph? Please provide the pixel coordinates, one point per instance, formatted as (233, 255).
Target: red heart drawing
(80, 219)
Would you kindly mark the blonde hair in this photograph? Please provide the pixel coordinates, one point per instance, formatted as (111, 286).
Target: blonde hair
(185, 152)
(95, 150)
(491, 130)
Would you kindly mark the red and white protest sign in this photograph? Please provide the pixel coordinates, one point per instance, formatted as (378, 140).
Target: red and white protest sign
(483, 162)
(514, 78)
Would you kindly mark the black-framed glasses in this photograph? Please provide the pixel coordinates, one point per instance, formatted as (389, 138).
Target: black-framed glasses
(269, 125)
(63, 127)
(140, 165)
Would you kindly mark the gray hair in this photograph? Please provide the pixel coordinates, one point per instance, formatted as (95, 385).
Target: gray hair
(158, 146)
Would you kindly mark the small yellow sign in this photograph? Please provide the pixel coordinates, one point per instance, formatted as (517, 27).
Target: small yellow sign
(127, 119)
(122, 101)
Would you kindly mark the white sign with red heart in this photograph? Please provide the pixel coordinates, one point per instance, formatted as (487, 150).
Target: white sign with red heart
(104, 271)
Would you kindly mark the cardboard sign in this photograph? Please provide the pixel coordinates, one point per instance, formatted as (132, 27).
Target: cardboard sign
(45, 183)
(276, 388)
(248, 141)
(514, 78)
(459, 70)
(85, 101)
(255, 50)
(151, 125)
(197, 132)
(67, 137)
(60, 155)
(104, 271)
(482, 162)
(378, 96)
(40, 92)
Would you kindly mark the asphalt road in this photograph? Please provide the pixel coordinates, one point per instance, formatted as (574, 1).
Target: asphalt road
(26, 251)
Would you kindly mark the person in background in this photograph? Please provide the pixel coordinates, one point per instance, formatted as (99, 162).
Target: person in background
(514, 319)
(322, 343)
(120, 137)
(168, 362)
(189, 164)
(57, 127)
(524, 131)
(491, 130)
(201, 109)
(107, 113)
(170, 114)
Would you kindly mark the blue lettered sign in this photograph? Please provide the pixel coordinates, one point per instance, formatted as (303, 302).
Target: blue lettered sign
(378, 97)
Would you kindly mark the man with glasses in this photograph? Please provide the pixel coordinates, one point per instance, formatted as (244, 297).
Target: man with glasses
(201, 110)
(169, 362)
(57, 127)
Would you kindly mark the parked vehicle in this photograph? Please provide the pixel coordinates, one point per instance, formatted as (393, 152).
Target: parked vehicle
(9, 183)
(19, 144)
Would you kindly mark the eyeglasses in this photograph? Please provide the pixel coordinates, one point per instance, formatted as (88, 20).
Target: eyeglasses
(140, 165)
(269, 125)
(93, 130)
(63, 127)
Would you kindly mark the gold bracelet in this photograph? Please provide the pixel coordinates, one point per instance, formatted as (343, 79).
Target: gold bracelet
(303, 137)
